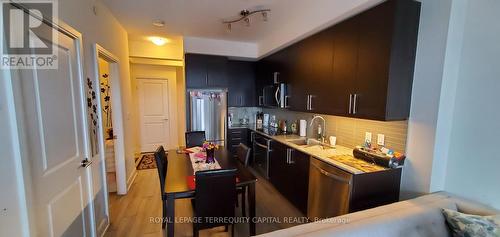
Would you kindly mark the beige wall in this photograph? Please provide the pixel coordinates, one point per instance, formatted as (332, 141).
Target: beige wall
(104, 29)
(176, 94)
(145, 49)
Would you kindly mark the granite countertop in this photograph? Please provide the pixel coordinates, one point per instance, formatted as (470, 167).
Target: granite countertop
(339, 156)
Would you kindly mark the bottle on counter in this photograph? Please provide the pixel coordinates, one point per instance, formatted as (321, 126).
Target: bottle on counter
(259, 120)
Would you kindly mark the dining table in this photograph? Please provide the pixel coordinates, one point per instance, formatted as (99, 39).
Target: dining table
(177, 185)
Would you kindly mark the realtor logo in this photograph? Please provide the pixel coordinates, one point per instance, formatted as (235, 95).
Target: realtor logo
(28, 41)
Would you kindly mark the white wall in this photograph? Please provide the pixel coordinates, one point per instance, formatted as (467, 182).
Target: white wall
(473, 161)
(431, 49)
(105, 30)
(220, 47)
(146, 49)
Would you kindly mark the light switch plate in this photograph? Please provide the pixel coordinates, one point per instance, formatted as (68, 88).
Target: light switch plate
(380, 139)
(368, 137)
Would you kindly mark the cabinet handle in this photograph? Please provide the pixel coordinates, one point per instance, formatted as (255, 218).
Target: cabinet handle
(241, 100)
(276, 96)
(311, 102)
(261, 100)
(354, 108)
(286, 101)
(291, 161)
(288, 156)
(350, 103)
(307, 104)
(206, 79)
(276, 77)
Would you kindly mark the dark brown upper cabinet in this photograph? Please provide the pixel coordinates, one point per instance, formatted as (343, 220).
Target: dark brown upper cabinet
(361, 67)
(241, 84)
(206, 71)
(386, 59)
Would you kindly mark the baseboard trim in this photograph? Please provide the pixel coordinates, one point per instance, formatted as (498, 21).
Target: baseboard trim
(131, 180)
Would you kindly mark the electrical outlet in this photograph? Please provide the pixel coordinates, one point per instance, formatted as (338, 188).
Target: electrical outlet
(368, 137)
(380, 139)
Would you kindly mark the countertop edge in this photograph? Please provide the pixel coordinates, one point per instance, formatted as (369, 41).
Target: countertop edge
(339, 165)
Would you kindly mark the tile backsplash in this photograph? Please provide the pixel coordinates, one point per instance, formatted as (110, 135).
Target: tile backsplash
(242, 112)
(350, 132)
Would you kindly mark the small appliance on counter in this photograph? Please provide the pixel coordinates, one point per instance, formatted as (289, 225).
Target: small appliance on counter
(273, 122)
(283, 126)
(259, 120)
(379, 158)
(265, 121)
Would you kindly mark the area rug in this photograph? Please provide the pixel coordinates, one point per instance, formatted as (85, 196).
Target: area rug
(147, 162)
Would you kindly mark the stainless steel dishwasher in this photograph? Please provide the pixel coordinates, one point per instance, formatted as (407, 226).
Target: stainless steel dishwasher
(329, 190)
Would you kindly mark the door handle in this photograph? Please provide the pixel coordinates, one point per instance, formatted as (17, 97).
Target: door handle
(86, 163)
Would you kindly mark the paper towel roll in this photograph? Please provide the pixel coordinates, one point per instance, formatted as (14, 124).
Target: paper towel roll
(303, 128)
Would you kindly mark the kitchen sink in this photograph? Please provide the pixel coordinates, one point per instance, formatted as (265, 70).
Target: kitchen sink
(304, 142)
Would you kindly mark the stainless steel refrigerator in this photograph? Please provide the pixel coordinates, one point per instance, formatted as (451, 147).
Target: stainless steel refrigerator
(207, 112)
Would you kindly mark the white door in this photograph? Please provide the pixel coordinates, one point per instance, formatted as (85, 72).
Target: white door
(51, 110)
(153, 112)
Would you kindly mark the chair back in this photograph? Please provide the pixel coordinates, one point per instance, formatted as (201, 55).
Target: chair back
(195, 138)
(243, 153)
(215, 195)
(161, 166)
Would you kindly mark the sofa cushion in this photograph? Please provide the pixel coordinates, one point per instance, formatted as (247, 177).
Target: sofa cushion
(361, 215)
(464, 225)
(416, 221)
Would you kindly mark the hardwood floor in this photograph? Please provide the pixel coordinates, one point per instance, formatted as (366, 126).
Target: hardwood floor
(131, 214)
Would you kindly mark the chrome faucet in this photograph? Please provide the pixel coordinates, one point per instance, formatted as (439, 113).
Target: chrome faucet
(323, 137)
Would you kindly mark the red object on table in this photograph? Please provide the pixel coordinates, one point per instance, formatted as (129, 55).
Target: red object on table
(192, 182)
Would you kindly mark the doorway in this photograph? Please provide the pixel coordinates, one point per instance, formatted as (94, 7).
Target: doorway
(108, 141)
(52, 129)
(153, 113)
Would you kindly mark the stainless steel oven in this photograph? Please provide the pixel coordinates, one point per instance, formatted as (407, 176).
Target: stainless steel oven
(261, 151)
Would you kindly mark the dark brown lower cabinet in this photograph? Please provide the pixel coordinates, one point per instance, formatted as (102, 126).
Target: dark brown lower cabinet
(321, 190)
(289, 173)
(236, 136)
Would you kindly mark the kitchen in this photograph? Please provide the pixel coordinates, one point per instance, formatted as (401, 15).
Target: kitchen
(328, 112)
(266, 117)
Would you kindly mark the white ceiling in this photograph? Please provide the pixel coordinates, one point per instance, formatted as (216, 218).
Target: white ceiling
(288, 21)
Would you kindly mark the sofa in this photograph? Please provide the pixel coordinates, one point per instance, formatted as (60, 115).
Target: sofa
(419, 217)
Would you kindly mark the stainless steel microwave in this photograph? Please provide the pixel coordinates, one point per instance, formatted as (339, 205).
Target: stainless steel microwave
(274, 96)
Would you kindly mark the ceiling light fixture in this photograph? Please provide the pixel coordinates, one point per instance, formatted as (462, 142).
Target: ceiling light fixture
(159, 23)
(158, 40)
(245, 17)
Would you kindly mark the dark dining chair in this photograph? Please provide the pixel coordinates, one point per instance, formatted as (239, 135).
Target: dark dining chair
(161, 165)
(195, 138)
(215, 198)
(243, 156)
